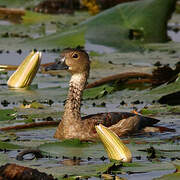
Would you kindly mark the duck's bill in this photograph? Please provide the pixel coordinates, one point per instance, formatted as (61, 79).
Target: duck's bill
(59, 65)
(26, 71)
(115, 148)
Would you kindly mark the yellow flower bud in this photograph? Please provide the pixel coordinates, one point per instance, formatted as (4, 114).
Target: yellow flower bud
(26, 71)
(115, 148)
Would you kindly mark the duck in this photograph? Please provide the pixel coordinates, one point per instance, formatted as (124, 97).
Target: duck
(76, 61)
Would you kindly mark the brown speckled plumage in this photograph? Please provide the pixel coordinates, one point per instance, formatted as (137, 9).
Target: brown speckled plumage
(72, 126)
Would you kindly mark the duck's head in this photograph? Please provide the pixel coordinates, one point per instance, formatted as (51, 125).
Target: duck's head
(73, 60)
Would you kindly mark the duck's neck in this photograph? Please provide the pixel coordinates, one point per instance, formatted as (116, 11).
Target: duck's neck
(72, 111)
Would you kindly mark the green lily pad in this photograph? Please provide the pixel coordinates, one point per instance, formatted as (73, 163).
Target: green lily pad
(84, 171)
(73, 149)
(35, 18)
(174, 176)
(6, 114)
(98, 92)
(157, 109)
(147, 111)
(136, 16)
(141, 21)
(9, 146)
(166, 89)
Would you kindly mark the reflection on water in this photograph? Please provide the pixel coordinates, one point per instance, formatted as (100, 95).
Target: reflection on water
(43, 134)
(175, 36)
(27, 91)
(174, 31)
(98, 48)
(4, 23)
(14, 58)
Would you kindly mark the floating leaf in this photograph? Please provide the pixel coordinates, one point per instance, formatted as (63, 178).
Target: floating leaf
(167, 88)
(98, 92)
(73, 148)
(34, 105)
(8, 146)
(126, 25)
(173, 176)
(6, 114)
(147, 111)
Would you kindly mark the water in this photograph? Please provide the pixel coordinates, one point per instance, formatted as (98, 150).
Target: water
(174, 31)
(98, 48)
(14, 58)
(175, 36)
(5, 23)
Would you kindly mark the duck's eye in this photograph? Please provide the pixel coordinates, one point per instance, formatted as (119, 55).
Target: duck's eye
(75, 56)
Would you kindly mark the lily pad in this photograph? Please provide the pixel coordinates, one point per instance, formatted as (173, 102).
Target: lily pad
(9, 146)
(133, 23)
(174, 176)
(136, 16)
(6, 114)
(166, 89)
(73, 149)
(98, 92)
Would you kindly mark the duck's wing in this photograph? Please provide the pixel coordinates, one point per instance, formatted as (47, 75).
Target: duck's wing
(125, 123)
(112, 118)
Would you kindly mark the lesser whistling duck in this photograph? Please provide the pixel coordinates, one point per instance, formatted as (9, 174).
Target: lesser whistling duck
(73, 126)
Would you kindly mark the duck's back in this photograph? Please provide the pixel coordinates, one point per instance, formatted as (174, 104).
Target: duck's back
(111, 118)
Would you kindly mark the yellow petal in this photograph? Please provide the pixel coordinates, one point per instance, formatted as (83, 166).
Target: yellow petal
(34, 105)
(115, 148)
(26, 71)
